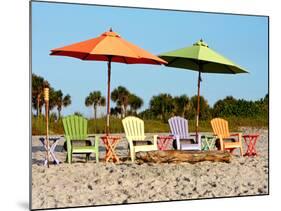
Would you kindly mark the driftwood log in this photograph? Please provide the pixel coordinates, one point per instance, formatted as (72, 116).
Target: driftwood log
(178, 156)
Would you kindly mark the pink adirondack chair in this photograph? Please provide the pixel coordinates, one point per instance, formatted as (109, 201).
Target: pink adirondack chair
(179, 129)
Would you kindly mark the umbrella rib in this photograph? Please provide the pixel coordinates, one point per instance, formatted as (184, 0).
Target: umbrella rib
(227, 67)
(156, 62)
(84, 58)
(173, 60)
(54, 52)
(124, 58)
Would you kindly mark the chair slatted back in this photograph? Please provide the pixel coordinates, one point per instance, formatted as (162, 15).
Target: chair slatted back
(75, 127)
(220, 127)
(134, 128)
(179, 126)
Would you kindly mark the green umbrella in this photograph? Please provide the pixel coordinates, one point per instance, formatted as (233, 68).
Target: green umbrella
(199, 57)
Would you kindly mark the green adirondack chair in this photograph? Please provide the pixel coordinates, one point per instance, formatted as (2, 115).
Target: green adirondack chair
(75, 129)
(134, 131)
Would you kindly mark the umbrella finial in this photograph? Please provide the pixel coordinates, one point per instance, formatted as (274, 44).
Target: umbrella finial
(201, 43)
(110, 29)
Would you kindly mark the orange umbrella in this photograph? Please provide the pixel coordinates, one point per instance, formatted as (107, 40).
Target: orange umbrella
(109, 47)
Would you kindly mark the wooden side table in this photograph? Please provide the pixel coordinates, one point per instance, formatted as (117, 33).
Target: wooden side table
(251, 140)
(163, 141)
(53, 145)
(110, 143)
(208, 142)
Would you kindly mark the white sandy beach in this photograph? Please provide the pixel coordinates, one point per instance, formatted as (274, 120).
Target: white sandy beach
(91, 183)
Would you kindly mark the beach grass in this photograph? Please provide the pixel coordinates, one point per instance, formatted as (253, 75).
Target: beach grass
(151, 126)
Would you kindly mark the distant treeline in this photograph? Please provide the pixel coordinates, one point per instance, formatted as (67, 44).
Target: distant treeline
(161, 107)
(126, 102)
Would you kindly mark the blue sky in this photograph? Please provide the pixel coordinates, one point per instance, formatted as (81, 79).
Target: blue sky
(242, 39)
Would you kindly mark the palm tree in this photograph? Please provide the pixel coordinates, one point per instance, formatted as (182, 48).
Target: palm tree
(135, 103)
(162, 105)
(61, 101)
(37, 90)
(205, 111)
(115, 111)
(120, 95)
(66, 100)
(182, 105)
(53, 97)
(95, 99)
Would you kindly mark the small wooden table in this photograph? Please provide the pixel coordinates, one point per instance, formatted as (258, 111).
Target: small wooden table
(110, 143)
(53, 145)
(208, 142)
(251, 140)
(164, 141)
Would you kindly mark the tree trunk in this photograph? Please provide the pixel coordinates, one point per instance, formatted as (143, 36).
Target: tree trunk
(95, 116)
(38, 103)
(122, 111)
(40, 110)
(125, 111)
(59, 110)
(95, 112)
(177, 156)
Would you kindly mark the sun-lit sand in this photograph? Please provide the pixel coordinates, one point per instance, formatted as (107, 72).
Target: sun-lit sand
(86, 184)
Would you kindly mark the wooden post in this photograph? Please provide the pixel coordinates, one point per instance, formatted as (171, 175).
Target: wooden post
(108, 95)
(46, 98)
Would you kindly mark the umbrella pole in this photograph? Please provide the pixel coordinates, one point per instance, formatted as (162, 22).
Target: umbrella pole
(198, 103)
(108, 96)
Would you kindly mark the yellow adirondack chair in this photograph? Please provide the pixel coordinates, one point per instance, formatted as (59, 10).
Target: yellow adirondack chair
(134, 131)
(220, 128)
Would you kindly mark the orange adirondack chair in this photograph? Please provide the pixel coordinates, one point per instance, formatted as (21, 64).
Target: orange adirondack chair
(220, 128)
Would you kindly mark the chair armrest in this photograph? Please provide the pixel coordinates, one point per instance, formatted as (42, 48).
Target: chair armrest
(176, 136)
(239, 135)
(90, 138)
(235, 134)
